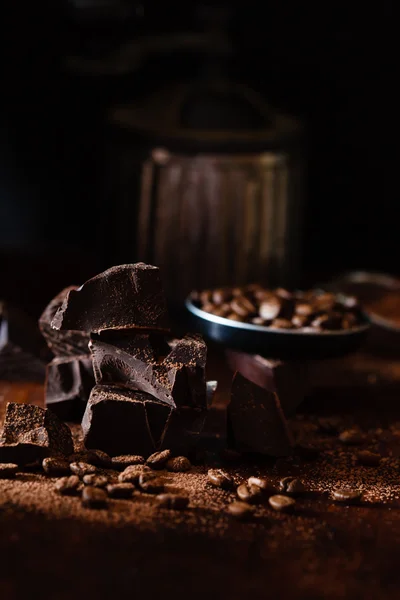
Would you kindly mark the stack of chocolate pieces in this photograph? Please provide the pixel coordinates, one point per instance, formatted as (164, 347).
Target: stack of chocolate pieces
(150, 390)
(69, 376)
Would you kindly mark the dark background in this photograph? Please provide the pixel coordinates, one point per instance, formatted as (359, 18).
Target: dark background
(332, 65)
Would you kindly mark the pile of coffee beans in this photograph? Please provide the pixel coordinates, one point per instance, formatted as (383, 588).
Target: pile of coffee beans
(313, 310)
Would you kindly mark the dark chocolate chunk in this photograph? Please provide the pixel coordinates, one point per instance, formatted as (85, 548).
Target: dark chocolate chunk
(281, 503)
(68, 486)
(173, 373)
(54, 466)
(94, 497)
(240, 510)
(178, 464)
(123, 297)
(183, 429)
(220, 478)
(8, 470)
(131, 474)
(126, 460)
(95, 480)
(288, 379)
(62, 343)
(115, 420)
(31, 433)
(172, 501)
(120, 490)
(158, 459)
(69, 381)
(255, 420)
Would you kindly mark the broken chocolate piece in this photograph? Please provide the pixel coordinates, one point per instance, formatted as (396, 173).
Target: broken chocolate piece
(183, 429)
(31, 433)
(62, 343)
(255, 420)
(288, 379)
(116, 421)
(123, 297)
(68, 385)
(174, 375)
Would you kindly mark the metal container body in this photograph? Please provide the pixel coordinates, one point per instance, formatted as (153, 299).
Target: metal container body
(212, 219)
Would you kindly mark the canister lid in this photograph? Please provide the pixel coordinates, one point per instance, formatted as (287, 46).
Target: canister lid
(208, 116)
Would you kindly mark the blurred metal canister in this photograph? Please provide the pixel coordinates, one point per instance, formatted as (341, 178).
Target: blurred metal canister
(221, 187)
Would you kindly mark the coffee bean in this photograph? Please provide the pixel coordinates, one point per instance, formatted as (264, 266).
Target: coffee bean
(205, 296)
(299, 321)
(82, 468)
(284, 482)
(243, 307)
(304, 309)
(220, 478)
(126, 460)
(351, 437)
(240, 510)
(281, 503)
(221, 296)
(350, 302)
(368, 459)
(172, 501)
(270, 308)
(292, 486)
(98, 458)
(251, 493)
(330, 321)
(349, 320)
(222, 311)
(234, 317)
(346, 495)
(151, 483)
(283, 293)
(93, 497)
(265, 485)
(208, 307)
(237, 291)
(324, 302)
(95, 480)
(8, 470)
(260, 321)
(178, 464)
(131, 474)
(158, 459)
(55, 466)
(120, 490)
(68, 486)
(281, 324)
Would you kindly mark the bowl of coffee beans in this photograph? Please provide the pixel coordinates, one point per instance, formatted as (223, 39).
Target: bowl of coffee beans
(278, 322)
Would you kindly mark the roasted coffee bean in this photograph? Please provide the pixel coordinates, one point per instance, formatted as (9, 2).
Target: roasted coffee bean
(95, 480)
(82, 468)
(151, 483)
(284, 482)
(346, 495)
(324, 302)
(237, 291)
(205, 296)
(55, 466)
(220, 478)
(350, 302)
(240, 510)
(262, 483)
(304, 309)
(132, 473)
(351, 437)
(222, 311)
(292, 486)
(94, 497)
(299, 321)
(172, 501)
(260, 321)
(283, 293)
(98, 458)
(68, 486)
(158, 459)
(126, 460)
(251, 493)
(178, 464)
(120, 490)
(243, 307)
(270, 308)
(368, 459)
(8, 470)
(281, 503)
(208, 307)
(331, 321)
(234, 317)
(221, 296)
(349, 320)
(281, 324)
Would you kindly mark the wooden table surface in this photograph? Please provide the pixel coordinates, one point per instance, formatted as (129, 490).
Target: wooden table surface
(323, 551)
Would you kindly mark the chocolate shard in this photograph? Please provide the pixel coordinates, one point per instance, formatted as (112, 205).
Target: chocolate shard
(65, 342)
(116, 421)
(123, 297)
(183, 429)
(31, 433)
(172, 372)
(256, 422)
(288, 379)
(69, 381)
